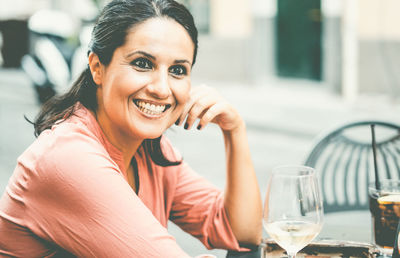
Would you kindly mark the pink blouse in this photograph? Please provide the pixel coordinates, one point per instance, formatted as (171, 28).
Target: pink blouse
(69, 196)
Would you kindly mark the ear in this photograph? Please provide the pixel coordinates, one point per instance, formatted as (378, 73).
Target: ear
(96, 68)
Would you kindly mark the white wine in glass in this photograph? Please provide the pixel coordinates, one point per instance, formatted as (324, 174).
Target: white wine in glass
(293, 212)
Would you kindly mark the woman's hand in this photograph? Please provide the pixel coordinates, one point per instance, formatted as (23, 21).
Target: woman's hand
(207, 105)
(242, 195)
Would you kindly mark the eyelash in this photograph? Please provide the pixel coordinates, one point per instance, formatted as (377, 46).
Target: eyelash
(180, 73)
(142, 63)
(145, 64)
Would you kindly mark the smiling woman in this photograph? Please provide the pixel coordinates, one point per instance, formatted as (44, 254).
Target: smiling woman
(101, 180)
(152, 69)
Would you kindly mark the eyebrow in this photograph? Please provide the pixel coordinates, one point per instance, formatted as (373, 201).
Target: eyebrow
(182, 61)
(179, 61)
(141, 53)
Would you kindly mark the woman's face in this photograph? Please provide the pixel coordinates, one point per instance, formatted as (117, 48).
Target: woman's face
(143, 90)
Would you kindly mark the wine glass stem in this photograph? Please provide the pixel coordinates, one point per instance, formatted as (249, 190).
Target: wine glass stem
(291, 255)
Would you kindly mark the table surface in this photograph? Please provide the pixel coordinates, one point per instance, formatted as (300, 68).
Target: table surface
(349, 225)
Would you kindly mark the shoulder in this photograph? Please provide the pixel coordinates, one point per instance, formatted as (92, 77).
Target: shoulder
(71, 150)
(69, 138)
(64, 163)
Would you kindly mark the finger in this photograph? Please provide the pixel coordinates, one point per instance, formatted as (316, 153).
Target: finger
(195, 96)
(199, 109)
(211, 114)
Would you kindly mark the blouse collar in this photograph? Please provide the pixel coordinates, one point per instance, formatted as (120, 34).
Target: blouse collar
(90, 121)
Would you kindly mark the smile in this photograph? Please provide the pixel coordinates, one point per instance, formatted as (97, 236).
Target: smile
(151, 108)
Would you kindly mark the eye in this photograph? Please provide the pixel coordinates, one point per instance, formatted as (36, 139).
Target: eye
(178, 70)
(142, 63)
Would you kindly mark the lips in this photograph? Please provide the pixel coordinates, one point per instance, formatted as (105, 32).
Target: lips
(150, 108)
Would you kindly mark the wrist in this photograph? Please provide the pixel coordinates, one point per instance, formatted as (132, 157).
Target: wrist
(238, 129)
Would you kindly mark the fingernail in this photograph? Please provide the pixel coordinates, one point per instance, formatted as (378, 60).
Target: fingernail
(186, 126)
(198, 127)
(177, 121)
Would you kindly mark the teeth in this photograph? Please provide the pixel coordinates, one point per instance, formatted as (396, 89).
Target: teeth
(150, 109)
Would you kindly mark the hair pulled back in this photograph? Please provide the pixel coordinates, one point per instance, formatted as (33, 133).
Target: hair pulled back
(109, 33)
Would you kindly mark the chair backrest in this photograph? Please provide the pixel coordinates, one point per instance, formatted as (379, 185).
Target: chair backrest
(343, 158)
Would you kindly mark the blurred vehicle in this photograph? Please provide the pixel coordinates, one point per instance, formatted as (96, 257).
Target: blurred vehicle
(58, 48)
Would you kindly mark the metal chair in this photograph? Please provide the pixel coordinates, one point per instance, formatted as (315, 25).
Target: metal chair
(343, 158)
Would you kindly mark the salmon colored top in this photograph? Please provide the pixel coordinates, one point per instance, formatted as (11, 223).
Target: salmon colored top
(69, 195)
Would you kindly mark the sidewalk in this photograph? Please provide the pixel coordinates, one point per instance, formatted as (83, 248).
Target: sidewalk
(304, 108)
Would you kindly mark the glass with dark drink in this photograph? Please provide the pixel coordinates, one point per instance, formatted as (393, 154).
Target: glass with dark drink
(384, 205)
(396, 250)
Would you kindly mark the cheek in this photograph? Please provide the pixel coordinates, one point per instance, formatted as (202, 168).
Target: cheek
(138, 80)
(127, 84)
(182, 93)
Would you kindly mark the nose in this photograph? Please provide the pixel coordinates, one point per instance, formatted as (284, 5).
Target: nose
(159, 87)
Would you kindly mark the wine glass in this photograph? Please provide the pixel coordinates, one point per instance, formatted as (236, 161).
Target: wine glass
(293, 212)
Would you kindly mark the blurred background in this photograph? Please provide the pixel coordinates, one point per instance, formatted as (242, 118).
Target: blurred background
(293, 69)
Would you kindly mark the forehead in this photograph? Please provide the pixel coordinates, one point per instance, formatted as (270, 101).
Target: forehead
(159, 34)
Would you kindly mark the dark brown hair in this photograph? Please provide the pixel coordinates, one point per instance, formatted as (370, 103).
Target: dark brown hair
(109, 33)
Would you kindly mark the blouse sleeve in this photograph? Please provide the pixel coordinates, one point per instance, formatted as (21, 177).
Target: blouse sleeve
(81, 202)
(198, 207)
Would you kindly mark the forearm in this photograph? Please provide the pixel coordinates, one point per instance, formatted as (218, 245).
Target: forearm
(242, 200)
(242, 195)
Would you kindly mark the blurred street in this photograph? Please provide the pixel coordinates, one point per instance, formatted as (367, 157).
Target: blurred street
(283, 118)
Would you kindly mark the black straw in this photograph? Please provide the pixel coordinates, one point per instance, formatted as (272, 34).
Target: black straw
(377, 184)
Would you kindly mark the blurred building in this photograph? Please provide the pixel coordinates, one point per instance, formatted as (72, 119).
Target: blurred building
(254, 41)
(378, 45)
(351, 46)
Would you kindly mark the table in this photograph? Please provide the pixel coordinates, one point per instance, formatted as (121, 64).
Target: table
(346, 226)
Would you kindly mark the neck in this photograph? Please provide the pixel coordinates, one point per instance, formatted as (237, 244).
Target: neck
(127, 145)
(128, 152)
(127, 148)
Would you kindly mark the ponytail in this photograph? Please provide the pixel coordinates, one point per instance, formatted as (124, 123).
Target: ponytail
(59, 108)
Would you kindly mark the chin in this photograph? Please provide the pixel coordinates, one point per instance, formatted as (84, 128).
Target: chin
(149, 134)
(147, 130)
(155, 136)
